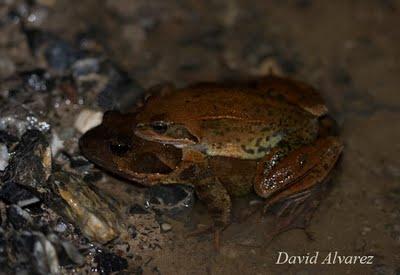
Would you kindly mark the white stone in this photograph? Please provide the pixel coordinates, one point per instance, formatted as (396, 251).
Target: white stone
(87, 119)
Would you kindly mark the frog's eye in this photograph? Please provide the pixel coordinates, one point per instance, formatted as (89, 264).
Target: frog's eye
(160, 127)
(119, 147)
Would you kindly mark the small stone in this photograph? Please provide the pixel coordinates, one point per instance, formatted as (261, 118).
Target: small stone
(165, 227)
(56, 144)
(60, 227)
(87, 119)
(4, 156)
(269, 66)
(84, 67)
(255, 202)
(37, 16)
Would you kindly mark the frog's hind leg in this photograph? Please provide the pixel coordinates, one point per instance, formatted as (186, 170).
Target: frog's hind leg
(294, 92)
(299, 171)
(218, 202)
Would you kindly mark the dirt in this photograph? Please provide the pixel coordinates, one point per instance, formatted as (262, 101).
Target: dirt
(349, 50)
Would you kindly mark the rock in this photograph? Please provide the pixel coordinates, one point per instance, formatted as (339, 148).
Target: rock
(12, 193)
(16, 119)
(87, 119)
(121, 92)
(171, 200)
(86, 207)
(19, 218)
(34, 249)
(30, 165)
(108, 262)
(66, 251)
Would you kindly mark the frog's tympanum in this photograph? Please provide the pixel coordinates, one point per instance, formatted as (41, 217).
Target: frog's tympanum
(225, 140)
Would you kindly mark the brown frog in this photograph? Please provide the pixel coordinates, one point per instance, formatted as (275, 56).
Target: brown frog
(223, 139)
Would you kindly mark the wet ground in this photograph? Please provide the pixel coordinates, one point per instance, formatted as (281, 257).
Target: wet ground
(349, 50)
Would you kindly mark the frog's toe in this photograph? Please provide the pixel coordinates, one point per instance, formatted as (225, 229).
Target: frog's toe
(209, 230)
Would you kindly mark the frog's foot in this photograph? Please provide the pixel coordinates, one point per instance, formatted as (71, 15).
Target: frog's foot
(214, 195)
(290, 204)
(300, 170)
(209, 230)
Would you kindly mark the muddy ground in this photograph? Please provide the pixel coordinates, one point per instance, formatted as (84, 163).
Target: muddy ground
(349, 50)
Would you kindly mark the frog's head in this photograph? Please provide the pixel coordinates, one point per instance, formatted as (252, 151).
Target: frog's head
(114, 147)
(168, 120)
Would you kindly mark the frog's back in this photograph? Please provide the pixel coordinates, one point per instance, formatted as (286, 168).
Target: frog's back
(244, 124)
(237, 122)
(204, 103)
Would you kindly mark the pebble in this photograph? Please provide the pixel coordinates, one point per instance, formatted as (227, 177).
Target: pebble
(255, 202)
(165, 227)
(4, 157)
(365, 230)
(60, 227)
(87, 119)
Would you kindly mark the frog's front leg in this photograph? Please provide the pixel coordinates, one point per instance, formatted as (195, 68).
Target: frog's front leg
(218, 202)
(209, 190)
(296, 173)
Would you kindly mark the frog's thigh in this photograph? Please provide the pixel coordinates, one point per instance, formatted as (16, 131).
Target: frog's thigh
(214, 195)
(299, 170)
(295, 92)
